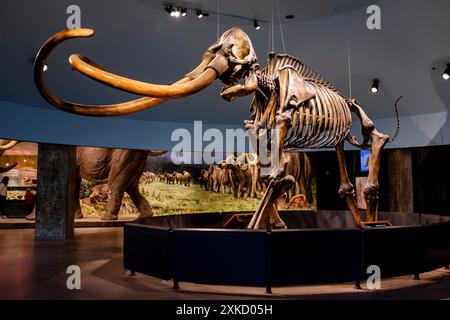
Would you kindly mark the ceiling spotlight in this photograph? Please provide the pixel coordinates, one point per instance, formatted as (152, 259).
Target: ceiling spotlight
(200, 14)
(183, 12)
(45, 68)
(375, 86)
(176, 12)
(256, 25)
(446, 74)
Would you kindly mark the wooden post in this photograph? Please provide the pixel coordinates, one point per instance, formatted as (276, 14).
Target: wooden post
(400, 181)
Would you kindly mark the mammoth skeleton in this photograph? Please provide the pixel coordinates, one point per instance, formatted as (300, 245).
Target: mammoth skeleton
(306, 110)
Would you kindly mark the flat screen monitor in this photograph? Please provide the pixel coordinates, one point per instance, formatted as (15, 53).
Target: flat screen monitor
(365, 160)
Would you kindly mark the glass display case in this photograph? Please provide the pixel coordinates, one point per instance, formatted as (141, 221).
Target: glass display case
(18, 193)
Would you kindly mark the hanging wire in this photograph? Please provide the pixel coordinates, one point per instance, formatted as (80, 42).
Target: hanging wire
(271, 27)
(281, 28)
(218, 19)
(349, 69)
(270, 37)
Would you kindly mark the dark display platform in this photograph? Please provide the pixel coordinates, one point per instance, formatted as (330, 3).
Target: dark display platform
(318, 248)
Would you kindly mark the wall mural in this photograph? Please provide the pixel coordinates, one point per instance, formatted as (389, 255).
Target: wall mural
(234, 185)
(132, 183)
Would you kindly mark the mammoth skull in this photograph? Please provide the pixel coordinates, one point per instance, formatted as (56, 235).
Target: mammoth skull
(229, 59)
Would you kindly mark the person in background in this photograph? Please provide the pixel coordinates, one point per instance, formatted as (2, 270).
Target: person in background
(3, 194)
(29, 200)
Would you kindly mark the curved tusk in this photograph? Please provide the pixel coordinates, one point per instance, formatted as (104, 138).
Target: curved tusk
(153, 153)
(204, 79)
(83, 109)
(9, 145)
(76, 108)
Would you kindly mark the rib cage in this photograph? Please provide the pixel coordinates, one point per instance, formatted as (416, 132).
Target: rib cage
(321, 122)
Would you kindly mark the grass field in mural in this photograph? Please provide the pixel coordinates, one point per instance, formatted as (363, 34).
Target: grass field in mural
(177, 199)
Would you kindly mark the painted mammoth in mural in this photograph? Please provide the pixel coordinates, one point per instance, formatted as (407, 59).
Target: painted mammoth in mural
(215, 175)
(169, 178)
(226, 181)
(204, 179)
(306, 110)
(178, 177)
(147, 177)
(299, 167)
(240, 175)
(186, 179)
(6, 145)
(121, 170)
(254, 166)
(161, 177)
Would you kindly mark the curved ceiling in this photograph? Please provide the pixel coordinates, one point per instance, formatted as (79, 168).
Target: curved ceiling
(139, 39)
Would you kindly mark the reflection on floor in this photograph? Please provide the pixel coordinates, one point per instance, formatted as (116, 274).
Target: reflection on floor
(22, 223)
(37, 270)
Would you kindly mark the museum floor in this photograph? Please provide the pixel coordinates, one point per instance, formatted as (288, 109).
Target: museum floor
(37, 270)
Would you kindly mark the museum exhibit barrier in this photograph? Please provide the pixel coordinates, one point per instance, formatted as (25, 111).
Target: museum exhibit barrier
(396, 250)
(148, 250)
(435, 246)
(315, 256)
(229, 257)
(171, 248)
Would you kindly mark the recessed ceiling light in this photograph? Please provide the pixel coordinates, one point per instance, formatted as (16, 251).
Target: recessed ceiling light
(256, 25)
(446, 74)
(375, 86)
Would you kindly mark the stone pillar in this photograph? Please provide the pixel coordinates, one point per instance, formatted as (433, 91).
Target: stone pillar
(400, 180)
(55, 195)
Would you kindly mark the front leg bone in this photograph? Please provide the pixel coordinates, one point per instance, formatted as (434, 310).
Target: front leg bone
(275, 189)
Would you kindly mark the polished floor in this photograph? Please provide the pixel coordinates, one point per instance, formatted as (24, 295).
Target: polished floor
(32, 269)
(22, 223)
